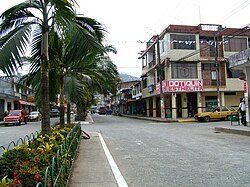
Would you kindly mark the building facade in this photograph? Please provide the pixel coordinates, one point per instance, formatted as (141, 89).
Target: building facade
(14, 96)
(186, 69)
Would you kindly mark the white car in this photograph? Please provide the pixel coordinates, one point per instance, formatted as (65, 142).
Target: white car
(35, 116)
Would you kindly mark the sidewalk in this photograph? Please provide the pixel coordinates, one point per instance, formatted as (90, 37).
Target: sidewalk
(91, 167)
(94, 165)
(234, 129)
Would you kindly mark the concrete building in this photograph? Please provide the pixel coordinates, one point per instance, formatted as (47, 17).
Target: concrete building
(14, 96)
(186, 69)
(241, 61)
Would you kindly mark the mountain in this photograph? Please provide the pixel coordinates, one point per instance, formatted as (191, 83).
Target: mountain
(127, 78)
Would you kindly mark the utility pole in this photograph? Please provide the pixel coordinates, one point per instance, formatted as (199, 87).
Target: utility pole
(160, 79)
(217, 70)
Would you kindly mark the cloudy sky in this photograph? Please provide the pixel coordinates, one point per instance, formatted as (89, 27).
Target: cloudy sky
(130, 21)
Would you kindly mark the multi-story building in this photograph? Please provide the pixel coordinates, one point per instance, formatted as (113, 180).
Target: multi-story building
(186, 68)
(14, 96)
(126, 101)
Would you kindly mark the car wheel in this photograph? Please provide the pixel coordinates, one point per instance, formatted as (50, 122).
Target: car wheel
(199, 119)
(206, 119)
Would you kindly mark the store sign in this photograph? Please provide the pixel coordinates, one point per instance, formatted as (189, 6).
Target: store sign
(210, 27)
(184, 85)
(245, 87)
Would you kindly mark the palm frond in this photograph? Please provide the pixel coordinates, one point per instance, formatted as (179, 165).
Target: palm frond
(12, 47)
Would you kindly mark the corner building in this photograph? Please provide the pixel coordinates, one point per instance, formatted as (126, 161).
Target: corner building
(186, 69)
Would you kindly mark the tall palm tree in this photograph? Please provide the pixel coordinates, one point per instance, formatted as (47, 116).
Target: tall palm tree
(27, 22)
(71, 55)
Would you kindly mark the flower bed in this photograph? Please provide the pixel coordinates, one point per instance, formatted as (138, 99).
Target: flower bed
(29, 164)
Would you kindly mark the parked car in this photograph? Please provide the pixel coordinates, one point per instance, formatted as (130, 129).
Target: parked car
(35, 116)
(16, 117)
(102, 110)
(54, 112)
(216, 113)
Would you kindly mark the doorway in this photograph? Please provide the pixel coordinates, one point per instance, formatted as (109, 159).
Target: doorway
(178, 106)
(192, 104)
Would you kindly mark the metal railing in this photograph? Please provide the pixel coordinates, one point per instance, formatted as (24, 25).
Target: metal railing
(26, 140)
(58, 172)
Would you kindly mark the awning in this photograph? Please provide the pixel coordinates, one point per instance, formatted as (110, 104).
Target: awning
(24, 103)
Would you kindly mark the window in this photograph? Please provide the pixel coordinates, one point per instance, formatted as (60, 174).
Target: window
(182, 41)
(235, 44)
(209, 74)
(211, 101)
(184, 70)
(162, 49)
(144, 82)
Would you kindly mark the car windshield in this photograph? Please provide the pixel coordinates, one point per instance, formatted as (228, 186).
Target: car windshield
(14, 113)
(209, 109)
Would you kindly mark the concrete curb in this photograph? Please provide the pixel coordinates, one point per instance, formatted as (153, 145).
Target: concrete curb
(234, 130)
(186, 120)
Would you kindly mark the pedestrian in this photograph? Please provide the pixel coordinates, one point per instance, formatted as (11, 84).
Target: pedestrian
(6, 113)
(242, 110)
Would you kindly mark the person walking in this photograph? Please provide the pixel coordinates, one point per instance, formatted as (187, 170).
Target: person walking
(242, 110)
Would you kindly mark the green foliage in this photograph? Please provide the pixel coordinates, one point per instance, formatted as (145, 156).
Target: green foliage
(25, 164)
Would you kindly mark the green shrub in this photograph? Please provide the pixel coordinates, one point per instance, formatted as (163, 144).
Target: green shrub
(25, 165)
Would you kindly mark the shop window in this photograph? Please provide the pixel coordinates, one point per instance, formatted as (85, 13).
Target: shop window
(210, 101)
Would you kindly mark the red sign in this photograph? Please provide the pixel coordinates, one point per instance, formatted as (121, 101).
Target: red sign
(194, 85)
(245, 87)
(184, 85)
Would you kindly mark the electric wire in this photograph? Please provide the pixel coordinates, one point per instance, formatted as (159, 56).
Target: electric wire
(232, 35)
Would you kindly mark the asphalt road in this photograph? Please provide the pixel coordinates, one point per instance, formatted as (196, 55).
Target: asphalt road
(151, 154)
(14, 133)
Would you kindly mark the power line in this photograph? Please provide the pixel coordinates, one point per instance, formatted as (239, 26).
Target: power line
(202, 49)
(234, 11)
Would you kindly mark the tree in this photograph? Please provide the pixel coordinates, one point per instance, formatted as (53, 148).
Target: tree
(20, 25)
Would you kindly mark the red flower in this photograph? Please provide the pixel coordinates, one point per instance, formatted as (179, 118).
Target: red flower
(36, 177)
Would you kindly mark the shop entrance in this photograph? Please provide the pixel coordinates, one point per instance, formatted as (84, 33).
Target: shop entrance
(192, 104)
(178, 106)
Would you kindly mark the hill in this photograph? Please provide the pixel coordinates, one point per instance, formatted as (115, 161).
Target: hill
(127, 78)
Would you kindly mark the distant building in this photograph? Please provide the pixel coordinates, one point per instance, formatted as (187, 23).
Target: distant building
(14, 96)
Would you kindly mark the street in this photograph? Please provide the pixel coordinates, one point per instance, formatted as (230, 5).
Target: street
(174, 154)
(13, 133)
(166, 154)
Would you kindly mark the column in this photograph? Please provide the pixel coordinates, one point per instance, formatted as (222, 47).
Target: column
(147, 107)
(173, 105)
(154, 107)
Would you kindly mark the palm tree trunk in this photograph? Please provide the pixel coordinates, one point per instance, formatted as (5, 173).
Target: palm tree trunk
(62, 121)
(68, 112)
(45, 87)
(45, 124)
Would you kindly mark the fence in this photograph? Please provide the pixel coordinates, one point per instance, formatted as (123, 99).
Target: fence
(58, 172)
(27, 140)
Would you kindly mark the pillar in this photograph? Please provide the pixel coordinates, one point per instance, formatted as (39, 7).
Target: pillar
(173, 105)
(154, 106)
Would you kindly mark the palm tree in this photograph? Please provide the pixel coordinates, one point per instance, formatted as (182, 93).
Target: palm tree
(63, 65)
(19, 25)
